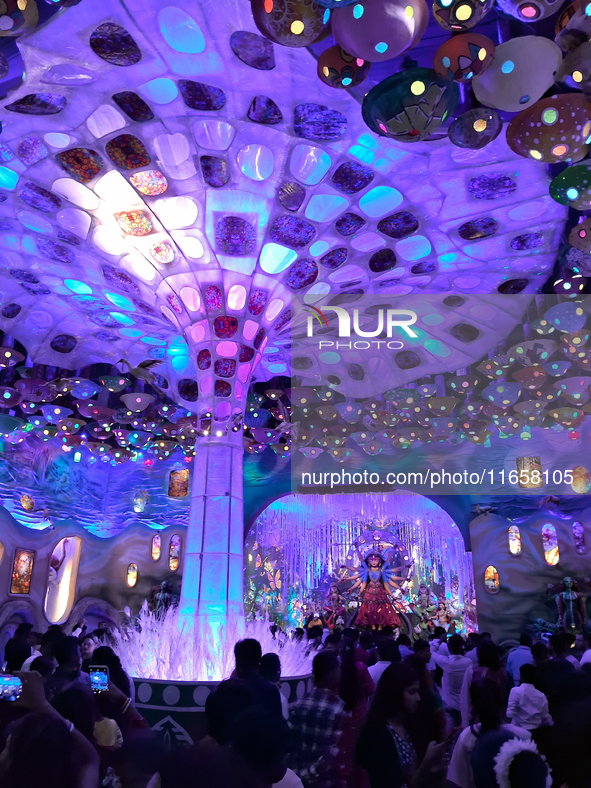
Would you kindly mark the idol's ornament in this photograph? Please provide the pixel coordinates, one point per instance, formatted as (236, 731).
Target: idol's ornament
(377, 567)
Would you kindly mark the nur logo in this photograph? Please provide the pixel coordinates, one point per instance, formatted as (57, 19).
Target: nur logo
(388, 319)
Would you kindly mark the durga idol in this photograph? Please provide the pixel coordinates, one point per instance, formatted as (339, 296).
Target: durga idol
(377, 583)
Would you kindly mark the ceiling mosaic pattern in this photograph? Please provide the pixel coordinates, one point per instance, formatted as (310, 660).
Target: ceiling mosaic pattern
(169, 178)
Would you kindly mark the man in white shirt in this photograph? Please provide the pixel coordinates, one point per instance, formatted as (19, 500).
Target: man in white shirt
(528, 707)
(519, 656)
(387, 654)
(454, 668)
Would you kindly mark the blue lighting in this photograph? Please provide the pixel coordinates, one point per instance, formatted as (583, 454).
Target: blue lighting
(8, 178)
(379, 201)
(446, 62)
(588, 10)
(326, 16)
(275, 258)
(325, 207)
(119, 301)
(507, 67)
(358, 11)
(361, 153)
(123, 319)
(450, 257)
(572, 193)
(318, 248)
(152, 340)
(160, 90)
(80, 288)
(180, 31)
(381, 47)
(346, 81)
(132, 333)
(36, 223)
(414, 248)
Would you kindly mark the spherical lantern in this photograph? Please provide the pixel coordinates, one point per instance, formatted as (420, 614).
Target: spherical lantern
(378, 30)
(18, 17)
(575, 69)
(338, 69)
(463, 56)
(572, 187)
(291, 23)
(529, 10)
(580, 236)
(411, 105)
(475, 128)
(460, 14)
(554, 129)
(521, 72)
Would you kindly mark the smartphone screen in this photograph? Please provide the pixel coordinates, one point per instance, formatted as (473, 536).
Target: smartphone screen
(99, 678)
(10, 688)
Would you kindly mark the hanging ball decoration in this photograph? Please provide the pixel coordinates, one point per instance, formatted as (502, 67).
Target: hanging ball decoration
(411, 105)
(575, 69)
(554, 129)
(17, 17)
(528, 10)
(580, 236)
(291, 23)
(475, 128)
(338, 69)
(460, 14)
(521, 72)
(572, 187)
(463, 56)
(377, 30)
(573, 25)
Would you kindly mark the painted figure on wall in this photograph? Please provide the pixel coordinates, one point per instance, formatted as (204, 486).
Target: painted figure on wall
(22, 569)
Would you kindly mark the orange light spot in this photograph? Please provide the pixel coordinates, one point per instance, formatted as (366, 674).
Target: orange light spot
(559, 150)
(268, 6)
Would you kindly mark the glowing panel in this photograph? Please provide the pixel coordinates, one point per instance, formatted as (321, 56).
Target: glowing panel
(250, 329)
(178, 483)
(156, 550)
(236, 297)
(514, 540)
(113, 188)
(33, 221)
(213, 134)
(8, 178)
(276, 258)
(309, 164)
(105, 120)
(131, 575)
(22, 569)
(191, 298)
(174, 551)
(61, 582)
(108, 241)
(256, 162)
(120, 301)
(189, 245)
(491, 579)
(379, 201)
(76, 193)
(273, 309)
(550, 544)
(180, 31)
(413, 248)
(177, 213)
(325, 207)
(56, 139)
(579, 538)
(228, 349)
(144, 269)
(160, 90)
(75, 221)
(80, 288)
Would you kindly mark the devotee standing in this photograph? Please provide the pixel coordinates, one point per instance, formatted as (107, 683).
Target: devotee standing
(248, 654)
(19, 647)
(386, 749)
(587, 653)
(387, 654)
(528, 707)
(454, 668)
(317, 724)
(519, 656)
(68, 673)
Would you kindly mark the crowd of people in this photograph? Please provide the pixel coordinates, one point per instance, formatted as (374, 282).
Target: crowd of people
(384, 712)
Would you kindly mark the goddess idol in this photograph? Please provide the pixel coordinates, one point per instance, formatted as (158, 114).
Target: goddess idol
(379, 580)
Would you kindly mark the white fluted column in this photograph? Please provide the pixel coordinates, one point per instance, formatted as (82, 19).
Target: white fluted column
(213, 564)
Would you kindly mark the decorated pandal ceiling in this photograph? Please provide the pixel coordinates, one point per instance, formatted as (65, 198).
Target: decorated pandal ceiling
(170, 176)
